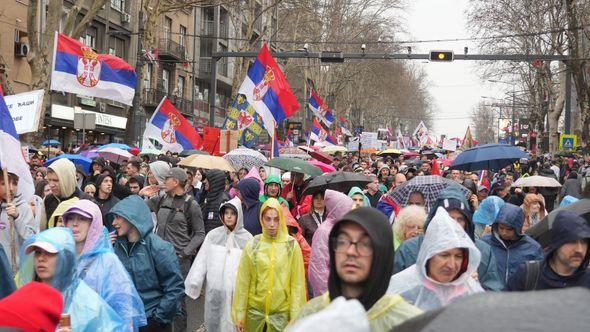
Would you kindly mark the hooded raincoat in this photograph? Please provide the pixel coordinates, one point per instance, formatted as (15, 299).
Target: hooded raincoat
(88, 311)
(215, 196)
(356, 190)
(270, 288)
(486, 213)
(102, 270)
(295, 232)
(66, 173)
(510, 254)
(217, 262)
(414, 284)
(384, 311)
(337, 205)
(151, 262)
(273, 178)
(250, 191)
(488, 272)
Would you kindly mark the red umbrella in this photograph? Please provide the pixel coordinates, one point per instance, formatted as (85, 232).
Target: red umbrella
(322, 156)
(411, 154)
(324, 167)
(134, 151)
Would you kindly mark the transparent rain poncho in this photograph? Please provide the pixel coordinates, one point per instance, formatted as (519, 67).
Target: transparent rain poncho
(270, 287)
(217, 262)
(88, 311)
(413, 283)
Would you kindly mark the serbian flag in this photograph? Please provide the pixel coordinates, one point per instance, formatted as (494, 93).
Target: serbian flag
(268, 92)
(11, 155)
(318, 108)
(169, 128)
(78, 69)
(342, 124)
(320, 134)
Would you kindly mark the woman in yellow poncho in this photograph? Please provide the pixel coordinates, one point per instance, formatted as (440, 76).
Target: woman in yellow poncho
(270, 287)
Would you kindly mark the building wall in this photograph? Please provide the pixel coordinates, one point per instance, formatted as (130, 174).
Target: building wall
(15, 74)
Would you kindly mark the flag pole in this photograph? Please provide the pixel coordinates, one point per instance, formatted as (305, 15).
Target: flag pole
(10, 222)
(272, 143)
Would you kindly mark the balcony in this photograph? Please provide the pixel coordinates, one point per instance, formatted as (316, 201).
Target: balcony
(171, 50)
(153, 97)
(205, 66)
(223, 31)
(209, 28)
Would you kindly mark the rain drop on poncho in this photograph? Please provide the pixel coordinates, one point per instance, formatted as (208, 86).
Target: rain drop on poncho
(413, 283)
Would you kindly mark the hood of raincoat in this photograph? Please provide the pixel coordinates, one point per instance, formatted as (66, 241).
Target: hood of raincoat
(511, 216)
(567, 200)
(61, 208)
(94, 243)
(62, 240)
(250, 190)
(568, 227)
(66, 172)
(377, 227)
(356, 190)
(134, 210)
(488, 210)
(236, 205)
(453, 198)
(159, 169)
(282, 232)
(216, 179)
(273, 178)
(337, 204)
(292, 224)
(99, 181)
(443, 234)
(254, 174)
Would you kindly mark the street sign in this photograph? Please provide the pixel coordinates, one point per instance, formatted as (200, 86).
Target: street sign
(568, 142)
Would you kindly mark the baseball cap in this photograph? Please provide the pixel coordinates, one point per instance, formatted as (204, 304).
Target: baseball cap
(177, 173)
(482, 187)
(50, 248)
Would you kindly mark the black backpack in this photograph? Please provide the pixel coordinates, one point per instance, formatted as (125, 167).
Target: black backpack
(533, 271)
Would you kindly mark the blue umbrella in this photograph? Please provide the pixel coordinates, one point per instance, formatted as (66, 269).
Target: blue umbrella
(75, 158)
(51, 142)
(492, 157)
(115, 145)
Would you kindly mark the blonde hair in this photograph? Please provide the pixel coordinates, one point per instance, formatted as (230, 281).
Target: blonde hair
(405, 215)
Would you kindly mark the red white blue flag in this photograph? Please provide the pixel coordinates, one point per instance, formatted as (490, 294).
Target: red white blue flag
(78, 69)
(319, 109)
(320, 134)
(172, 130)
(268, 91)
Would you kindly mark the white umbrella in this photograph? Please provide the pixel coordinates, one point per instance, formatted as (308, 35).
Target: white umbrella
(334, 148)
(536, 181)
(245, 158)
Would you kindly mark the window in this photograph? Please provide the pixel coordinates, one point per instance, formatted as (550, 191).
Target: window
(166, 80)
(180, 87)
(118, 5)
(147, 82)
(90, 38)
(117, 47)
(182, 36)
(167, 28)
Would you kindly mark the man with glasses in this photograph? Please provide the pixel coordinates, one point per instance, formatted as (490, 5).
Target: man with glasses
(361, 261)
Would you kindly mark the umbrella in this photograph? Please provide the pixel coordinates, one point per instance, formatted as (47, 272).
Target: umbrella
(369, 150)
(411, 154)
(536, 181)
(294, 165)
(491, 157)
(322, 156)
(134, 151)
(309, 149)
(541, 231)
(332, 149)
(206, 162)
(339, 181)
(186, 153)
(245, 158)
(323, 166)
(115, 155)
(75, 158)
(50, 142)
(429, 185)
(153, 152)
(547, 310)
(413, 162)
(391, 152)
(116, 146)
(90, 153)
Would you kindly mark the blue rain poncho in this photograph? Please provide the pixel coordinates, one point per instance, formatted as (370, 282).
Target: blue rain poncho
(356, 190)
(88, 311)
(102, 270)
(217, 262)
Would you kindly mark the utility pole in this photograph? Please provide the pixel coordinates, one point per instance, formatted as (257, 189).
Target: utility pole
(513, 114)
(136, 115)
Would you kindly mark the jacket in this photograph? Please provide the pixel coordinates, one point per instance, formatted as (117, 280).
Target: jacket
(217, 263)
(249, 189)
(414, 284)
(213, 200)
(337, 205)
(571, 187)
(567, 227)
(25, 226)
(185, 234)
(273, 179)
(88, 311)
(532, 220)
(151, 262)
(102, 270)
(295, 232)
(6, 280)
(309, 223)
(107, 204)
(487, 271)
(510, 255)
(270, 286)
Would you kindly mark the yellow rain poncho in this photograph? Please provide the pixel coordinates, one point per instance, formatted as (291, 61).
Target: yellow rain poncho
(270, 286)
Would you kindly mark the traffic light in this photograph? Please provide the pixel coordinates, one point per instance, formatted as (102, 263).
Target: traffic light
(442, 55)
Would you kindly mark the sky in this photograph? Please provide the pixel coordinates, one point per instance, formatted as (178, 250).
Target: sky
(456, 87)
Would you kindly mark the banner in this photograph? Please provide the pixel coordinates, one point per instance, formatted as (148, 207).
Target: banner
(25, 110)
(242, 117)
(449, 145)
(421, 133)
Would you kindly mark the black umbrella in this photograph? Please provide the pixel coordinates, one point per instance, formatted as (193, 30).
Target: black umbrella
(339, 181)
(549, 310)
(541, 231)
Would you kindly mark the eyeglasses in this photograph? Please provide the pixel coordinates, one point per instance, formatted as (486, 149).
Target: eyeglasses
(364, 248)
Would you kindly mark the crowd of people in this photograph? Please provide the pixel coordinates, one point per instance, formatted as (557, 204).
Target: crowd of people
(121, 247)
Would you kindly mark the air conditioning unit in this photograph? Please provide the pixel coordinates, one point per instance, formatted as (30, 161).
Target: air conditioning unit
(102, 107)
(21, 49)
(125, 18)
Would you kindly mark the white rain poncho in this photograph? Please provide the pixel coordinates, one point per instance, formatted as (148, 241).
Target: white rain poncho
(340, 315)
(413, 284)
(218, 261)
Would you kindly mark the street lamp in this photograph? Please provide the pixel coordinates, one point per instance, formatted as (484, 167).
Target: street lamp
(513, 106)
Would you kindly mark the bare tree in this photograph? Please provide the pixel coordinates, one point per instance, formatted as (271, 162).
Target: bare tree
(482, 122)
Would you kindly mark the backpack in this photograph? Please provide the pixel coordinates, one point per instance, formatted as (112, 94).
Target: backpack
(533, 270)
(188, 199)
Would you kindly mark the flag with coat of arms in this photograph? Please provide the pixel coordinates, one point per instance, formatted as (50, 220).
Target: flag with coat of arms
(78, 69)
(242, 117)
(320, 134)
(320, 110)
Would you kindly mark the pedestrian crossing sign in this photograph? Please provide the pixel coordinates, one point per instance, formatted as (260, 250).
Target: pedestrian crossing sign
(568, 142)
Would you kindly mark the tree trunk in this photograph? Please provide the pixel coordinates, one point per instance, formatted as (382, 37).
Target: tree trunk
(555, 112)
